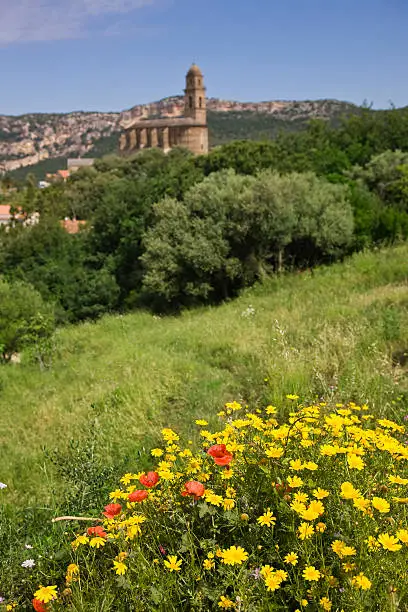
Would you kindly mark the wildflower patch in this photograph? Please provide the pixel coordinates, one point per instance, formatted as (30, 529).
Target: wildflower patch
(305, 513)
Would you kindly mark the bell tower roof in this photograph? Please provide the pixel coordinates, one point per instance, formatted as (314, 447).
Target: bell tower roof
(194, 71)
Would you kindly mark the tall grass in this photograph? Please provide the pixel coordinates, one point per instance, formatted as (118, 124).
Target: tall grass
(330, 332)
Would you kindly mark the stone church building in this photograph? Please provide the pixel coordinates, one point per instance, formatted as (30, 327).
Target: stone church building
(189, 131)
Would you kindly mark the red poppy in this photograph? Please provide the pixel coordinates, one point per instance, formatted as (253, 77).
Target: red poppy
(224, 460)
(220, 454)
(149, 480)
(112, 510)
(217, 450)
(39, 606)
(138, 496)
(97, 531)
(194, 488)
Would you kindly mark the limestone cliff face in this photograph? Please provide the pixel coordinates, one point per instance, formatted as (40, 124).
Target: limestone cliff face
(31, 138)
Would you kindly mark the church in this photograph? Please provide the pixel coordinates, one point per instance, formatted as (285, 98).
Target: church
(189, 131)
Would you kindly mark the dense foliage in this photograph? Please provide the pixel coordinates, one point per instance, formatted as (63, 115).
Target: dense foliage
(25, 320)
(167, 231)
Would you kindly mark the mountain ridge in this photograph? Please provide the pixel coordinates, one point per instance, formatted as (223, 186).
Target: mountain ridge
(26, 140)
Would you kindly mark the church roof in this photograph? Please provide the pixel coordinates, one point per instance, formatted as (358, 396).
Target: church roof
(195, 70)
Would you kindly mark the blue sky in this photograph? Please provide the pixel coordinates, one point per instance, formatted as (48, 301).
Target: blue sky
(108, 55)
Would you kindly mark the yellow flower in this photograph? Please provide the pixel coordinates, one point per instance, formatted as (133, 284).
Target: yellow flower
(361, 504)
(225, 603)
(389, 542)
(337, 547)
(80, 539)
(97, 542)
(402, 535)
(244, 517)
(381, 504)
(348, 567)
(201, 422)
(208, 564)
(296, 464)
(266, 570)
(301, 497)
(230, 492)
(273, 452)
(372, 543)
(320, 527)
(361, 582)
(348, 491)
(172, 563)
(298, 507)
(311, 573)
(267, 519)
(355, 462)
(119, 567)
(291, 558)
(398, 480)
(320, 493)
(213, 499)
(234, 555)
(294, 482)
(311, 465)
(228, 504)
(273, 581)
(46, 594)
(271, 410)
(305, 531)
(290, 396)
(325, 603)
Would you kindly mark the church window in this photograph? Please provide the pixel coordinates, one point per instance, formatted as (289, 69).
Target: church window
(191, 101)
(201, 102)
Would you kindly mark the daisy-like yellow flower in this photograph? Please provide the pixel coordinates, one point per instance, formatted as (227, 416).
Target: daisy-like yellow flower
(292, 397)
(305, 531)
(234, 555)
(119, 567)
(321, 527)
(402, 535)
(361, 581)
(372, 543)
(355, 462)
(230, 492)
(296, 464)
(228, 504)
(311, 466)
(202, 422)
(273, 581)
(97, 542)
(295, 482)
(172, 563)
(349, 492)
(80, 540)
(46, 594)
(361, 504)
(389, 542)
(381, 504)
(348, 567)
(225, 603)
(325, 603)
(273, 452)
(291, 558)
(266, 570)
(398, 480)
(267, 519)
(208, 564)
(311, 573)
(271, 410)
(298, 507)
(320, 493)
(300, 496)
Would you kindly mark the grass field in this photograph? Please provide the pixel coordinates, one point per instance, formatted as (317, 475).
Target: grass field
(327, 333)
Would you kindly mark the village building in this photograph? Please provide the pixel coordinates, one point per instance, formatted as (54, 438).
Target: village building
(189, 131)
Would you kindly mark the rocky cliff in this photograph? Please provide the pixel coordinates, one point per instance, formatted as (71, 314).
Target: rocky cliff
(32, 138)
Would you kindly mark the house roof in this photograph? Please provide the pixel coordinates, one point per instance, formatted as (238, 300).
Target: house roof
(63, 173)
(72, 226)
(5, 210)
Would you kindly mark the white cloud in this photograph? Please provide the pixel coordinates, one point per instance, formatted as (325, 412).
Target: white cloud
(40, 20)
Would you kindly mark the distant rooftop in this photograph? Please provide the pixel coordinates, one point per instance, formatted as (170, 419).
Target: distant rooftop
(80, 162)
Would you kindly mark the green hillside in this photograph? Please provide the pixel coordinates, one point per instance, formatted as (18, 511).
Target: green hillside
(330, 332)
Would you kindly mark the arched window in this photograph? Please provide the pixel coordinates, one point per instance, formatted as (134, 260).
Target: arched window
(191, 101)
(201, 102)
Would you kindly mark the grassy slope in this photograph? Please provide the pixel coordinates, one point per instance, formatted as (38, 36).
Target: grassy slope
(336, 327)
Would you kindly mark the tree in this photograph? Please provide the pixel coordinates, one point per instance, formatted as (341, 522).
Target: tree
(25, 319)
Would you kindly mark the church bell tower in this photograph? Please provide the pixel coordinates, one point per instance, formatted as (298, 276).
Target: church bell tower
(194, 100)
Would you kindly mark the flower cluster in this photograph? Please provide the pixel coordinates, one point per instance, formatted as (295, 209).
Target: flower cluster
(309, 510)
